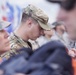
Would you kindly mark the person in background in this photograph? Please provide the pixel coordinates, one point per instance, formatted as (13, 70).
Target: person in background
(48, 34)
(59, 30)
(4, 41)
(46, 38)
(67, 14)
(33, 23)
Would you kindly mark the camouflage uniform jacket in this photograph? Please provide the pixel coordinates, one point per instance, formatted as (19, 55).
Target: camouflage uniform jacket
(17, 43)
(5, 56)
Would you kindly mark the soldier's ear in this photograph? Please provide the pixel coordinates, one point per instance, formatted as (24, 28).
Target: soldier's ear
(29, 22)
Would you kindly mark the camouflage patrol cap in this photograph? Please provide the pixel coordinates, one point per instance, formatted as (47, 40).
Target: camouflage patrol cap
(4, 24)
(38, 15)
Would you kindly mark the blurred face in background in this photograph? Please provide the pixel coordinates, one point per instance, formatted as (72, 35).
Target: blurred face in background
(48, 33)
(61, 28)
(4, 41)
(69, 18)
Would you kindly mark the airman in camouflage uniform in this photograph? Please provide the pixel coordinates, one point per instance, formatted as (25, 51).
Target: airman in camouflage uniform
(33, 22)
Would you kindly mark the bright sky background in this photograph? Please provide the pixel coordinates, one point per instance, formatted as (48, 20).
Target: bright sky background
(50, 9)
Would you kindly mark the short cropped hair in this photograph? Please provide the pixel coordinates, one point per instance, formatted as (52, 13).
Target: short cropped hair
(25, 18)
